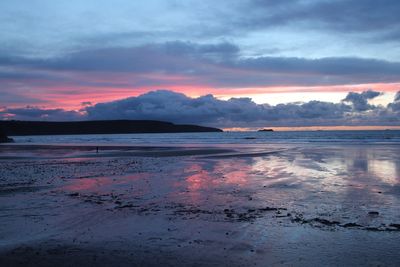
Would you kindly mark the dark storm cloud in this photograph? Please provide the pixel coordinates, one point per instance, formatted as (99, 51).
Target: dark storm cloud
(235, 112)
(332, 66)
(218, 64)
(14, 97)
(20, 75)
(397, 97)
(395, 106)
(86, 103)
(360, 100)
(338, 15)
(238, 112)
(177, 56)
(35, 113)
(167, 105)
(170, 57)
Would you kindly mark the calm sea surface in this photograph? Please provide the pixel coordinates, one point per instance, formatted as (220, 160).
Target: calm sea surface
(353, 137)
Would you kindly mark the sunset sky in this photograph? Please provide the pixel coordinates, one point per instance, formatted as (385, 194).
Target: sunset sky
(239, 63)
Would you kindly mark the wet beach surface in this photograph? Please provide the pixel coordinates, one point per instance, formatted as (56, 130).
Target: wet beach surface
(289, 205)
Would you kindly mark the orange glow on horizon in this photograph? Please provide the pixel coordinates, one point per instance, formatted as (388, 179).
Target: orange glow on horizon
(314, 128)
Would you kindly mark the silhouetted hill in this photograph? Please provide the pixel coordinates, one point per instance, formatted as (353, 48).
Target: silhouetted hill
(97, 127)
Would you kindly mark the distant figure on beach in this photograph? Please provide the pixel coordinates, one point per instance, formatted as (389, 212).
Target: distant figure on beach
(4, 138)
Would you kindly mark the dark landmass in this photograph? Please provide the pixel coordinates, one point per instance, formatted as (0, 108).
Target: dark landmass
(4, 138)
(266, 130)
(15, 128)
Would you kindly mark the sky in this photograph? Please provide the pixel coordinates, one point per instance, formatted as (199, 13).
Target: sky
(233, 64)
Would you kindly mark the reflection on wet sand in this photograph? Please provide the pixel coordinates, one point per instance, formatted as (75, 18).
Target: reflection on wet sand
(99, 184)
(341, 184)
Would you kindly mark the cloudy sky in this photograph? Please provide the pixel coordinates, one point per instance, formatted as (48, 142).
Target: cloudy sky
(237, 63)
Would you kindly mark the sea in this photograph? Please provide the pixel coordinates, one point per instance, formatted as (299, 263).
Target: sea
(224, 138)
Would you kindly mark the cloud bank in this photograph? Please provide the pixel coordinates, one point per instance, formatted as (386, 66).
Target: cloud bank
(214, 64)
(52, 54)
(354, 110)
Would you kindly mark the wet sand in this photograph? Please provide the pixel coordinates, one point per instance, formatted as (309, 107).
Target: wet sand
(281, 205)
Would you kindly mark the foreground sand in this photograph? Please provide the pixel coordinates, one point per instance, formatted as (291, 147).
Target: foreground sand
(301, 205)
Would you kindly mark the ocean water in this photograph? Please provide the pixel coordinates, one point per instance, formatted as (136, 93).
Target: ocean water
(280, 137)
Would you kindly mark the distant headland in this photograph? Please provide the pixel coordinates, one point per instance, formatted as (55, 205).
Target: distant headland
(265, 130)
(15, 128)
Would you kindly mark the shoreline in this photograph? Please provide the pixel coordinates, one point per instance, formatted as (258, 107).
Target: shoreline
(90, 151)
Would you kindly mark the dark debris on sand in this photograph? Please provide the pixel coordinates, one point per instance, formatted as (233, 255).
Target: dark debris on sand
(188, 212)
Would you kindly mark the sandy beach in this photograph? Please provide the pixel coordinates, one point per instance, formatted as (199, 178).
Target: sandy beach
(278, 205)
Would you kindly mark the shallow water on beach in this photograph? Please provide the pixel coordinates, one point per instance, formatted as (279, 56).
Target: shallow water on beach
(247, 138)
(236, 208)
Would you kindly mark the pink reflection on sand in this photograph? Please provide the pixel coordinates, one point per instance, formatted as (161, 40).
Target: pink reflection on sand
(105, 184)
(221, 173)
(88, 184)
(201, 178)
(212, 181)
(234, 174)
